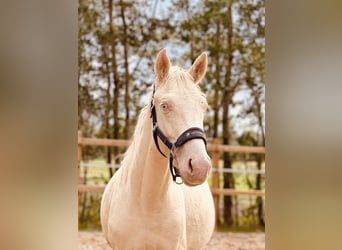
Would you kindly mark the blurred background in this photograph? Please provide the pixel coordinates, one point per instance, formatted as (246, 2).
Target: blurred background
(41, 49)
(118, 41)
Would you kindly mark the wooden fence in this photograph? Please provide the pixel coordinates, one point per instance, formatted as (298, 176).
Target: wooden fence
(215, 148)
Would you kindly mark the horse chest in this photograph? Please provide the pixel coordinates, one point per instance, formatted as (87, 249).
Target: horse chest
(132, 229)
(183, 220)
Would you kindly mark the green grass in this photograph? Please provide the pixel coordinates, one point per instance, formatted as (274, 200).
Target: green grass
(96, 175)
(241, 229)
(240, 179)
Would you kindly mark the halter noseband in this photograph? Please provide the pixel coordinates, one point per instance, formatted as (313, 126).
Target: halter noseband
(187, 135)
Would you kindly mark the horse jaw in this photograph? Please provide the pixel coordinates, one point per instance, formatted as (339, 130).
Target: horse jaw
(193, 162)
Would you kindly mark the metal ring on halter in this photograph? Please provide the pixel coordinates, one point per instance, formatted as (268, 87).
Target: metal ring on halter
(178, 180)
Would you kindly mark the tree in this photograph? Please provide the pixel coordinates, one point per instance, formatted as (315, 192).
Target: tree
(252, 23)
(116, 51)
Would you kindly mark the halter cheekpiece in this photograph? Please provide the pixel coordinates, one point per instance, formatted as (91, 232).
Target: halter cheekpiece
(187, 135)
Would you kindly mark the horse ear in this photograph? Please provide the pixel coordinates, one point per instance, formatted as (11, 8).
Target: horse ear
(198, 69)
(162, 65)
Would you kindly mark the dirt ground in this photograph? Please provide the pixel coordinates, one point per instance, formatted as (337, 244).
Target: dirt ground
(219, 241)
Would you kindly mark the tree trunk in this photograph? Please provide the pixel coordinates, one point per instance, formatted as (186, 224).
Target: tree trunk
(259, 201)
(217, 86)
(107, 111)
(227, 164)
(82, 217)
(116, 125)
(226, 100)
(259, 158)
(127, 80)
(259, 163)
(228, 183)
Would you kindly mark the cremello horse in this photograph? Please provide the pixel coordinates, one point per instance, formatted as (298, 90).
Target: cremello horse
(142, 208)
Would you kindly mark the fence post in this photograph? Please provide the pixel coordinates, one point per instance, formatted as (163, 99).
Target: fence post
(79, 155)
(216, 178)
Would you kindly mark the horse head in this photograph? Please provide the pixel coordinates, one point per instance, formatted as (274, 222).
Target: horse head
(179, 106)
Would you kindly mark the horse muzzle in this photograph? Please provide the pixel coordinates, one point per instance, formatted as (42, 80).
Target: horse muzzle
(196, 170)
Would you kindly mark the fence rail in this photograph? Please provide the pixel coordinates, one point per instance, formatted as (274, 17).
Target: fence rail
(215, 148)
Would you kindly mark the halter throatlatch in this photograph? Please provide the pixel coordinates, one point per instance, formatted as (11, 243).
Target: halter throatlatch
(187, 135)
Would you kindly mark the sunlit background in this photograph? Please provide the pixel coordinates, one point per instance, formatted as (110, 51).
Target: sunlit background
(118, 42)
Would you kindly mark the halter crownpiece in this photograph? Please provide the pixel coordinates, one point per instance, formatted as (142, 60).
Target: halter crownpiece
(187, 135)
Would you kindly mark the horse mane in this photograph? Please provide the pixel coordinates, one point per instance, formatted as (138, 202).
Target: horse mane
(181, 78)
(178, 74)
(138, 136)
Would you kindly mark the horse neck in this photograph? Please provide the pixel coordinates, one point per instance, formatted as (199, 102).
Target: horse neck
(146, 170)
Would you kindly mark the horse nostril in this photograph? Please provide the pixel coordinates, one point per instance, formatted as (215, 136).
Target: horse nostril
(190, 165)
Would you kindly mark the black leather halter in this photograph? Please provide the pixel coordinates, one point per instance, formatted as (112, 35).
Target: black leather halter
(189, 134)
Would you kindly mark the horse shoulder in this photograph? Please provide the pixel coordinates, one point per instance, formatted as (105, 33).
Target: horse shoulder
(109, 195)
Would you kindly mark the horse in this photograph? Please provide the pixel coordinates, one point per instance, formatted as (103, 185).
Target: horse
(159, 198)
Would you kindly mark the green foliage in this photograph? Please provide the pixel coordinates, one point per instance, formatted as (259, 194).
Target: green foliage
(193, 27)
(89, 212)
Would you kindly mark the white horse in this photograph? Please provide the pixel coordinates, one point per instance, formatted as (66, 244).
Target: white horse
(142, 208)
